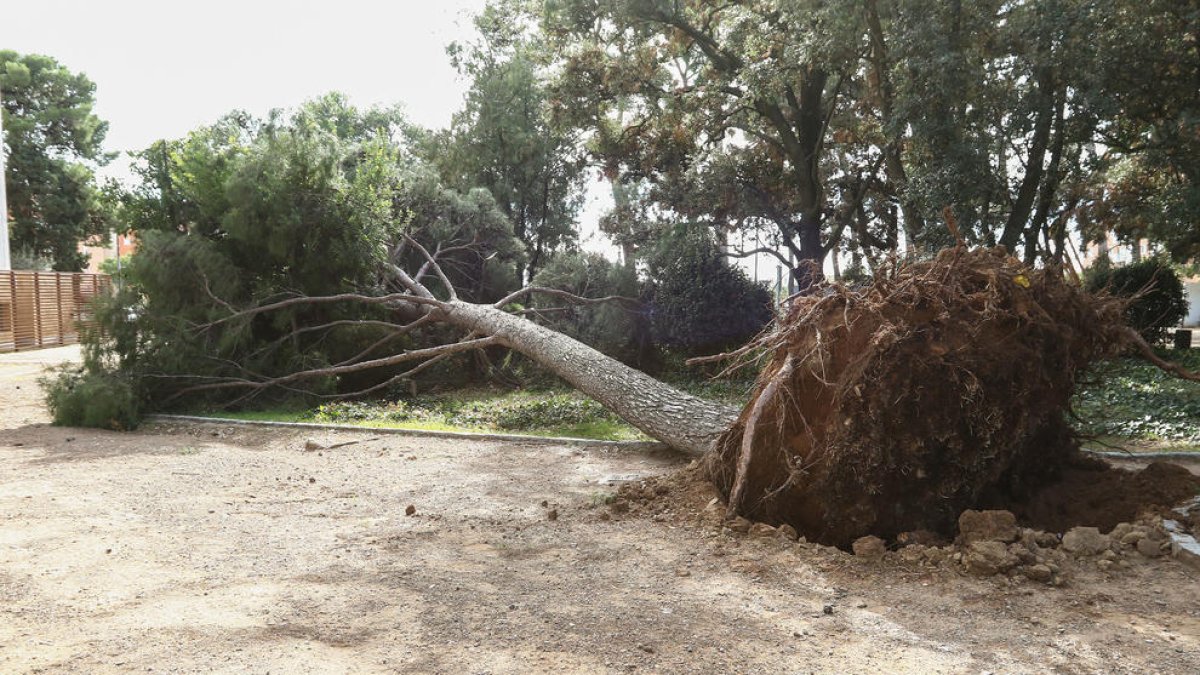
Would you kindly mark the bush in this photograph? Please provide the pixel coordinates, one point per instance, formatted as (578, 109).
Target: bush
(81, 397)
(615, 329)
(702, 304)
(1157, 301)
(515, 412)
(554, 411)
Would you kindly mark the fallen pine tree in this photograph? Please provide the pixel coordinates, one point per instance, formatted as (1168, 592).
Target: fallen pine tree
(942, 384)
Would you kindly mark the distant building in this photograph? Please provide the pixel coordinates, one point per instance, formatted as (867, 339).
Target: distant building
(121, 245)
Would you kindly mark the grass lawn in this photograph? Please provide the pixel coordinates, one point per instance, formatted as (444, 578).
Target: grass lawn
(556, 412)
(1126, 404)
(1131, 405)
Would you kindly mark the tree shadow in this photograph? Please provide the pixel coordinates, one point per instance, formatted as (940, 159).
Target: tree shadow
(60, 445)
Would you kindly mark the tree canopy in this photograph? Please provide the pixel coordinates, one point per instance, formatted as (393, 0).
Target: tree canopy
(502, 139)
(855, 124)
(53, 141)
(250, 210)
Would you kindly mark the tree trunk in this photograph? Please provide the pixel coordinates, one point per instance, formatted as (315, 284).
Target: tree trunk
(1018, 218)
(676, 418)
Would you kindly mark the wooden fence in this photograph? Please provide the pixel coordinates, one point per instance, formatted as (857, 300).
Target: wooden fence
(46, 309)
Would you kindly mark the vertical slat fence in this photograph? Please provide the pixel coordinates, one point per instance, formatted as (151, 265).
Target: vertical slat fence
(47, 309)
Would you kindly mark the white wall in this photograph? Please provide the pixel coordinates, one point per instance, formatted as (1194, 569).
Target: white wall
(1192, 287)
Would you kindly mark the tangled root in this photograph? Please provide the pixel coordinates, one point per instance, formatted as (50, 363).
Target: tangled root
(943, 384)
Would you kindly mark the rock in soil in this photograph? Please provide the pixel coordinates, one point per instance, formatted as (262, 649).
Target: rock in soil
(919, 538)
(762, 530)
(1039, 573)
(869, 547)
(987, 558)
(1151, 548)
(738, 524)
(1085, 541)
(987, 526)
(788, 532)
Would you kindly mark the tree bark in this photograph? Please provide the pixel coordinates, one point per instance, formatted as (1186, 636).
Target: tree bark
(680, 420)
(914, 223)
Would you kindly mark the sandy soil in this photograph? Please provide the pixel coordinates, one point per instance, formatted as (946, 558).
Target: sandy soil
(209, 549)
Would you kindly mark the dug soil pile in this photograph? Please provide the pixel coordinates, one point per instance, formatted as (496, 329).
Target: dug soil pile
(942, 386)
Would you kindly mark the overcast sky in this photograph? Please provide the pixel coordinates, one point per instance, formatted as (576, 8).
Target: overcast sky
(163, 68)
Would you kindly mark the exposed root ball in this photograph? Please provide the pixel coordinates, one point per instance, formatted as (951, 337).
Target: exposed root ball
(893, 408)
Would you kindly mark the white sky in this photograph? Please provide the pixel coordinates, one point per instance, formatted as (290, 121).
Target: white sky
(164, 68)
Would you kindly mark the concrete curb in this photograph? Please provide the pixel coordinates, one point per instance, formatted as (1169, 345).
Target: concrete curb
(545, 440)
(462, 435)
(1112, 454)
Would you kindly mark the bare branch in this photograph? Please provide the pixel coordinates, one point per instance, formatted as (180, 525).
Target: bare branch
(1146, 352)
(538, 311)
(208, 290)
(332, 324)
(437, 269)
(768, 251)
(413, 286)
(402, 357)
(327, 299)
(570, 297)
(400, 330)
(408, 374)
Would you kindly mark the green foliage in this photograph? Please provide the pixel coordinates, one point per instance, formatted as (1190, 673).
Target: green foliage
(1148, 184)
(661, 86)
(1130, 398)
(700, 303)
(502, 139)
(52, 144)
(851, 123)
(25, 259)
(247, 211)
(115, 267)
(78, 396)
(615, 328)
(553, 413)
(1157, 301)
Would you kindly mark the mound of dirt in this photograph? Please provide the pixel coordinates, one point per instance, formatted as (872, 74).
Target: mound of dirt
(1094, 517)
(1091, 493)
(942, 385)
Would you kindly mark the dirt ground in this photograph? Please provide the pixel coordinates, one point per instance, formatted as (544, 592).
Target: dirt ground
(201, 548)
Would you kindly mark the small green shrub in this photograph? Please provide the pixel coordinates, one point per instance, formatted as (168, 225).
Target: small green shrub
(1157, 299)
(561, 413)
(555, 411)
(78, 397)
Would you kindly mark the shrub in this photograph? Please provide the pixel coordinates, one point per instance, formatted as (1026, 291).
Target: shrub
(554, 411)
(1157, 301)
(82, 397)
(701, 304)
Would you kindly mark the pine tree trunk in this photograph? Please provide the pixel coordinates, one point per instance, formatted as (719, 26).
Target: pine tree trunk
(676, 418)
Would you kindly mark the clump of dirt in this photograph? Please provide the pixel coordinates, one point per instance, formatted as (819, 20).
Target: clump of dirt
(893, 408)
(680, 496)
